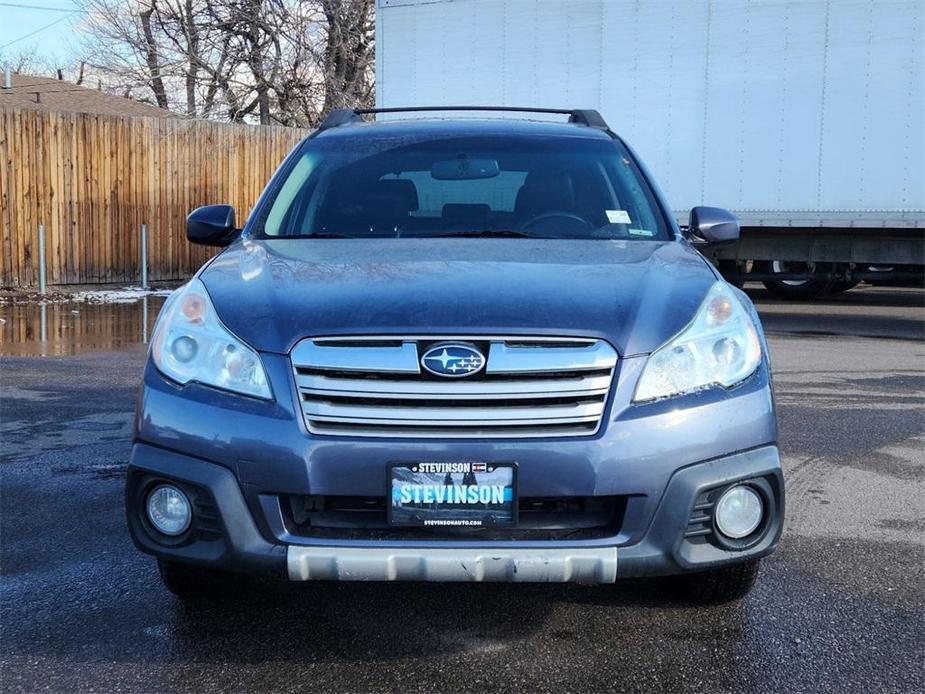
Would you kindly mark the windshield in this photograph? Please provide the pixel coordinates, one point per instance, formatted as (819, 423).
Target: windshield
(396, 186)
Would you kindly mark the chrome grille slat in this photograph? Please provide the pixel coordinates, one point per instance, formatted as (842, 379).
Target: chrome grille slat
(379, 359)
(459, 424)
(511, 432)
(320, 385)
(489, 416)
(528, 359)
(531, 387)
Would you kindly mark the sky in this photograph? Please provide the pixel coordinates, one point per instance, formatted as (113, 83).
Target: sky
(19, 18)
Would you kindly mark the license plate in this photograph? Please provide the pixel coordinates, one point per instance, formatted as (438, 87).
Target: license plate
(458, 495)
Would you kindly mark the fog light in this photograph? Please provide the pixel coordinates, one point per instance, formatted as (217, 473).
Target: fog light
(739, 512)
(169, 510)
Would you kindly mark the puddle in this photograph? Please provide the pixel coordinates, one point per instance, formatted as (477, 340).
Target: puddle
(72, 327)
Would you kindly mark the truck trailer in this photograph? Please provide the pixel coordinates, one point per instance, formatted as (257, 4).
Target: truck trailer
(806, 117)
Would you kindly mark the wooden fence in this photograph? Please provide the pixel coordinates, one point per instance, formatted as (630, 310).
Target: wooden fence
(94, 180)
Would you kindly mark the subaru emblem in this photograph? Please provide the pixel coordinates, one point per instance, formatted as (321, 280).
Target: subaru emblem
(453, 360)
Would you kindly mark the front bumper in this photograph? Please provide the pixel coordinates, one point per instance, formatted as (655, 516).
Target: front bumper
(224, 534)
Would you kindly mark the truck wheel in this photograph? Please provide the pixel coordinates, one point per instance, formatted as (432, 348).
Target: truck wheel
(193, 582)
(796, 289)
(844, 286)
(718, 586)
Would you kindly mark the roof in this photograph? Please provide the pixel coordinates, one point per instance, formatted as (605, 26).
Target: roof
(428, 127)
(49, 94)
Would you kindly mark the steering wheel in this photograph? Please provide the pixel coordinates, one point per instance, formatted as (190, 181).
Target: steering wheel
(570, 216)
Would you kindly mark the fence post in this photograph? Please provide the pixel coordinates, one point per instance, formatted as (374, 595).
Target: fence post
(144, 256)
(43, 328)
(144, 319)
(41, 258)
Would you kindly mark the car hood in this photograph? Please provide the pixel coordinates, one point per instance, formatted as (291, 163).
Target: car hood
(635, 294)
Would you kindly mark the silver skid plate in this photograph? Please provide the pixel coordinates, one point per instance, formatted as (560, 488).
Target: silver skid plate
(573, 564)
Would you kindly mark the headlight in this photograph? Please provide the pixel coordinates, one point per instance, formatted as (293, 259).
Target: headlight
(191, 344)
(719, 347)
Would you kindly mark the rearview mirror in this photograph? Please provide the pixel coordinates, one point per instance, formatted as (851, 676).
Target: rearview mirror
(713, 225)
(212, 225)
(463, 169)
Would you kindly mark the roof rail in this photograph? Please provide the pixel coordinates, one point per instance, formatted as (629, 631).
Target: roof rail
(340, 116)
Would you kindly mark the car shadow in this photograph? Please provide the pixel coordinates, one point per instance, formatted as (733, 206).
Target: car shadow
(321, 621)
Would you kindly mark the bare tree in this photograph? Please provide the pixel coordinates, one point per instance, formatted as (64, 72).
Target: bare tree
(28, 61)
(23, 62)
(348, 53)
(152, 57)
(269, 61)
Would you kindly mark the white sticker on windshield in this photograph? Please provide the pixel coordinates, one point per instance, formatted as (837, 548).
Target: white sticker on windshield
(618, 217)
(641, 232)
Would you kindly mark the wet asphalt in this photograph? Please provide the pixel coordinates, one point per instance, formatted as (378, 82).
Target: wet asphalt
(839, 607)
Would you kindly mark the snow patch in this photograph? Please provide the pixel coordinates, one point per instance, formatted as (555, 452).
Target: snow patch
(126, 295)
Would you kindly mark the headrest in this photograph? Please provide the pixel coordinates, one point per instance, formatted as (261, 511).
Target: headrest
(535, 198)
(396, 193)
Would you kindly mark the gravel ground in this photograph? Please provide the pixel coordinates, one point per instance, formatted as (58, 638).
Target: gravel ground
(838, 608)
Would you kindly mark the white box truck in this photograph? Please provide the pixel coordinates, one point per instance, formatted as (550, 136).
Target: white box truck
(805, 117)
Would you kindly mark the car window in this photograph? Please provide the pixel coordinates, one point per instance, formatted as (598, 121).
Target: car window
(292, 188)
(569, 187)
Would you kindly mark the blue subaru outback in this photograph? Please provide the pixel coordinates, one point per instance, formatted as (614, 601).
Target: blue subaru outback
(458, 350)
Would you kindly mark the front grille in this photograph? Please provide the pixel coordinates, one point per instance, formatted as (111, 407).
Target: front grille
(539, 518)
(529, 388)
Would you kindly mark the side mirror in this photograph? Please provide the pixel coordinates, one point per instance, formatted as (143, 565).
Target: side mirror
(714, 225)
(212, 225)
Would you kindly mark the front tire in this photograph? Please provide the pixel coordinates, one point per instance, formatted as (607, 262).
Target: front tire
(722, 585)
(192, 582)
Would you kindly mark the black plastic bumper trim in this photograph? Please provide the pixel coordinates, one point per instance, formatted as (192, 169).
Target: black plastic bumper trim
(665, 550)
(240, 547)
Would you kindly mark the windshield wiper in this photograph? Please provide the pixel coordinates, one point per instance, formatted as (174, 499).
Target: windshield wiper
(486, 233)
